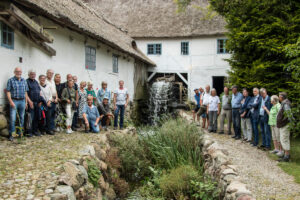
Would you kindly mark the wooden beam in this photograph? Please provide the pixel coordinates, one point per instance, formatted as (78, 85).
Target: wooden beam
(49, 50)
(182, 78)
(30, 24)
(151, 76)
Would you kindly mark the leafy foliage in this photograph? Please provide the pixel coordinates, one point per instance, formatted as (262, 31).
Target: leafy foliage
(93, 173)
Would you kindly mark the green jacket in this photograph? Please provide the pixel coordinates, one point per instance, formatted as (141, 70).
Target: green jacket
(66, 96)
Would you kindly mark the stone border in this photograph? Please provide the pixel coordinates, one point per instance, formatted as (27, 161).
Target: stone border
(218, 165)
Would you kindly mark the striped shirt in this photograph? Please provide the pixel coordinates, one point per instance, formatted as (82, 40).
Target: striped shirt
(17, 87)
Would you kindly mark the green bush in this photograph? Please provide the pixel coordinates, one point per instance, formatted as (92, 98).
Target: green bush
(93, 172)
(205, 189)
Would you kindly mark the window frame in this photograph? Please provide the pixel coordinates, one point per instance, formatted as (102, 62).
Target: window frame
(8, 31)
(155, 47)
(88, 58)
(187, 48)
(224, 46)
(115, 57)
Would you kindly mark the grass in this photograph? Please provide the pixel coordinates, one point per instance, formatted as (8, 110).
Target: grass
(292, 167)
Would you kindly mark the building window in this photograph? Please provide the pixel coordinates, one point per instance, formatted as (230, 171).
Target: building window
(221, 46)
(154, 49)
(115, 62)
(7, 36)
(184, 48)
(90, 58)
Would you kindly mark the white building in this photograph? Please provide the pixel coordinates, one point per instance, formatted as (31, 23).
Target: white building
(189, 44)
(68, 37)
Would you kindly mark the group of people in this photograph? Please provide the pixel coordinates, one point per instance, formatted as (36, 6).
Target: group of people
(247, 113)
(48, 98)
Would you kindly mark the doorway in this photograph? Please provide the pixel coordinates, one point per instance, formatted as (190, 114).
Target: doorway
(218, 84)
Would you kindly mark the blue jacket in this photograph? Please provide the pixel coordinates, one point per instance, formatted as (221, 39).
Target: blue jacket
(253, 107)
(268, 105)
(245, 107)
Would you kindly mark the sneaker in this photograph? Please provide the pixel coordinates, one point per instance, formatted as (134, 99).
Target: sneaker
(280, 154)
(11, 138)
(284, 159)
(57, 129)
(221, 132)
(37, 134)
(74, 128)
(115, 128)
(69, 131)
(274, 151)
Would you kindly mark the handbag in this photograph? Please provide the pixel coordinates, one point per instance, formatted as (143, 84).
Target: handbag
(74, 107)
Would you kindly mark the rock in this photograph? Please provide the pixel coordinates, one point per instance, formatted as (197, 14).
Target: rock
(3, 122)
(206, 143)
(98, 194)
(4, 132)
(228, 171)
(102, 165)
(229, 178)
(102, 183)
(59, 196)
(48, 191)
(67, 190)
(76, 175)
(102, 139)
(110, 194)
(245, 197)
(29, 197)
(219, 159)
(238, 188)
(87, 150)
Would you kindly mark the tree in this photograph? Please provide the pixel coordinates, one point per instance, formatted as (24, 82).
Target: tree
(262, 37)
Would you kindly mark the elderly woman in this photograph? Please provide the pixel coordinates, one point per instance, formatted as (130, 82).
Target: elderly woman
(91, 116)
(104, 92)
(91, 92)
(272, 122)
(68, 97)
(82, 100)
(245, 116)
(213, 110)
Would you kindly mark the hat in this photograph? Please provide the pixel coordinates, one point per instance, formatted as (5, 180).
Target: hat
(106, 97)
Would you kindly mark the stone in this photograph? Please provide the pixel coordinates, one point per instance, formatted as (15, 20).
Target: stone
(206, 143)
(4, 132)
(87, 150)
(219, 158)
(48, 191)
(98, 194)
(76, 175)
(67, 190)
(102, 165)
(29, 197)
(229, 178)
(99, 152)
(228, 171)
(245, 197)
(3, 122)
(110, 194)
(102, 183)
(59, 196)
(238, 188)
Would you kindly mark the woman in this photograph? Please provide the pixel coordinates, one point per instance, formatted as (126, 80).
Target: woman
(91, 92)
(82, 100)
(245, 116)
(68, 97)
(213, 111)
(272, 122)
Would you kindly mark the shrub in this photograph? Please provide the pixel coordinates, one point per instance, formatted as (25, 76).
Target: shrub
(93, 172)
(205, 189)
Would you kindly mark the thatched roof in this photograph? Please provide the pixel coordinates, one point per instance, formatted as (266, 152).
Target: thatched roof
(158, 18)
(77, 16)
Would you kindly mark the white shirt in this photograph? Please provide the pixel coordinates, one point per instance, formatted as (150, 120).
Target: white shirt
(205, 98)
(121, 96)
(213, 103)
(52, 86)
(46, 93)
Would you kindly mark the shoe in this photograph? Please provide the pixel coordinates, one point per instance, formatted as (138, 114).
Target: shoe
(37, 134)
(69, 131)
(238, 137)
(233, 137)
(74, 128)
(43, 133)
(221, 132)
(29, 135)
(248, 141)
(50, 132)
(115, 128)
(267, 148)
(285, 158)
(121, 128)
(86, 131)
(280, 154)
(11, 138)
(275, 151)
(210, 131)
(215, 131)
(254, 145)
(229, 133)
(245, 139)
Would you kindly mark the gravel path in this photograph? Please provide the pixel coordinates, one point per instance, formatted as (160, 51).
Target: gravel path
(263, 177)
(30, 169)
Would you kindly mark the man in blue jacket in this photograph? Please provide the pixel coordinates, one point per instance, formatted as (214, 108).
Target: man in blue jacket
(236, 105)
(264, 118)
(254, 110)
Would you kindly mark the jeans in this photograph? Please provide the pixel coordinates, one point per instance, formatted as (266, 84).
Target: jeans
(254, 123)
(34, 113)
(75, 118)
(70, 114)
(93, 128)
(226, 114)
(265, 131)
(236, 118)
(120, 109)
(51, 114)
(20, 108)
(213, 120)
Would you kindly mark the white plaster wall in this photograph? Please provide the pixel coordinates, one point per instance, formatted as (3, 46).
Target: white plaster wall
(201, 64)
(70, 58)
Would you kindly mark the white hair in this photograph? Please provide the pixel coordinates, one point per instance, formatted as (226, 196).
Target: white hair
(263, 90)
(31, 71)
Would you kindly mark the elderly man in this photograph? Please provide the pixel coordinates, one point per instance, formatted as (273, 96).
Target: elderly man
(283, 118)
(265, 101)
(204, 101)
(236, 118)
(105, 114)
(91, 116)
(254, 110)
(17, 97)
(34, 99)
(121, 100)
(103, 92)
(226, 112)
(50, 82)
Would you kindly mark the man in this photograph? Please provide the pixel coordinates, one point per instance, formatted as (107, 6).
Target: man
(204, 100)
(91, 116)
(226, 112)
(16, 91)
(47, 94)
(265, 101)
(121, 99)
(75, 79)
(50, 82)
(59, 86)
(34, 99)
(283, 118)
(254, 109)
(197, 103)
(236, 118)
(105, 114)
(103, 92)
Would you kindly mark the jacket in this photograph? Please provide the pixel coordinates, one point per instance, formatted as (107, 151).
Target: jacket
(245, 107)
(253, 107)
(268, 105)
(282, 119)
